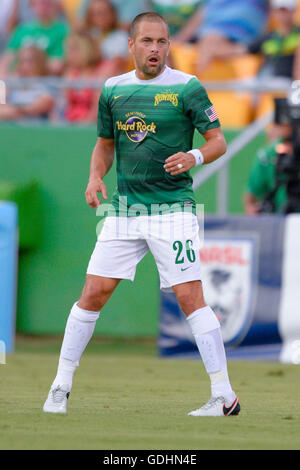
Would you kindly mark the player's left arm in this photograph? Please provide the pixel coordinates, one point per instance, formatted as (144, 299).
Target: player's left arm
(214, 147)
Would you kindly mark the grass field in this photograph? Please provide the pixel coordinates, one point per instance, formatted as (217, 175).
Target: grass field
(125, 397)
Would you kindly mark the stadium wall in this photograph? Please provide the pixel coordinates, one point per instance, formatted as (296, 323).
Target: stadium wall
(48, 167)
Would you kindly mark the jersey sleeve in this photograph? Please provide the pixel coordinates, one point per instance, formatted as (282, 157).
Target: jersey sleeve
(198, 107)
(105, 126)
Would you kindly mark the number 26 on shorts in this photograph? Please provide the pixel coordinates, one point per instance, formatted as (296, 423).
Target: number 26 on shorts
(190, 253)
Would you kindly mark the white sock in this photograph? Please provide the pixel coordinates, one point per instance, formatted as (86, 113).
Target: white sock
(207, 333)
(79, 330)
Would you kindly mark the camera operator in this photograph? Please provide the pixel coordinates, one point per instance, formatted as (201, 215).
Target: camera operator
(274, 183)
(262, 178)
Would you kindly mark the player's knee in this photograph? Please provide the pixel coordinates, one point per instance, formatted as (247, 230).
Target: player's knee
(91, 298)
(95, 295)
(190, 300)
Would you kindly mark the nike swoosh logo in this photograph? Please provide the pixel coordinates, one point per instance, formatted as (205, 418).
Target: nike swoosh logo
(233, 409)
(116, 97)
(184, 269)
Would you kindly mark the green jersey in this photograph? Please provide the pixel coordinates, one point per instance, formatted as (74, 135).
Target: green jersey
(150, 120)
(50, 38)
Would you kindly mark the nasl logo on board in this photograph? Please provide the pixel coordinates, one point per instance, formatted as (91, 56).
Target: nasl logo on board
(227, 266)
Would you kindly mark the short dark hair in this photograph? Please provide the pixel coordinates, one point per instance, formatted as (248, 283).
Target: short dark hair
(148, 16)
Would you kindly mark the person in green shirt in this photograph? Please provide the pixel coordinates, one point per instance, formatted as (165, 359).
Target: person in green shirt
(47, 33)
(262, 178)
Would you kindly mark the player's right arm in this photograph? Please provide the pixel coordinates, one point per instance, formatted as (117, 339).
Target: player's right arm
(103, 153)
(101, 162)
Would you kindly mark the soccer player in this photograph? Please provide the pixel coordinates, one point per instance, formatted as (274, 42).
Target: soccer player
(148, 117)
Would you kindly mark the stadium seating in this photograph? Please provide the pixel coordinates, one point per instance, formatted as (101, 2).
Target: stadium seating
(265, 103)
(184, 58)
(71, 8)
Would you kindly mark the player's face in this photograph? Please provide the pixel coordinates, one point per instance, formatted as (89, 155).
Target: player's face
(149, 47)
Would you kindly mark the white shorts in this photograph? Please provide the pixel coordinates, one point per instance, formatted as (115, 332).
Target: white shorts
(173, 240)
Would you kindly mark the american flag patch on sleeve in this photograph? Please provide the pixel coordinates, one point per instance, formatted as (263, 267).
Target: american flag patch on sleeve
(211, 113)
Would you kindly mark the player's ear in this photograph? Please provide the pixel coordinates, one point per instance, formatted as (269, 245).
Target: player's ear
(130, 44)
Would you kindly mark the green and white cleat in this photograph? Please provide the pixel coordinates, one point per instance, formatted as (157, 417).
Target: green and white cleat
(57, 400)
(218, 406)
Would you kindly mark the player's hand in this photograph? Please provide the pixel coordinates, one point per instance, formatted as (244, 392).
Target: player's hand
(186, 161)
(94, 187)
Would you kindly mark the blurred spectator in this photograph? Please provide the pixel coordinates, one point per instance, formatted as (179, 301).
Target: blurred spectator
(126, 10)
(182, 16)
(6, 10)
(224, 23)
(23, 12)
(47, 33)
(100, 22)
(83, 61)
(280, 46)
(23, 101)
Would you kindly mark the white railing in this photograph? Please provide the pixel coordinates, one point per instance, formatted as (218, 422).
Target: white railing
(221, 165)
(251, 85)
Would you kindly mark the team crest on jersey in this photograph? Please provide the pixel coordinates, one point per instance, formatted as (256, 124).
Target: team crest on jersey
(166, 96)
(135, 127)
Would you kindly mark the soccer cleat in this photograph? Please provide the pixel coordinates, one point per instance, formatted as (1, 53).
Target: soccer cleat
(57, 399)
(217, 406)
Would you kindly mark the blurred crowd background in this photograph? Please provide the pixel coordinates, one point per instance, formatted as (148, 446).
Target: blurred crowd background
(216, 40)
